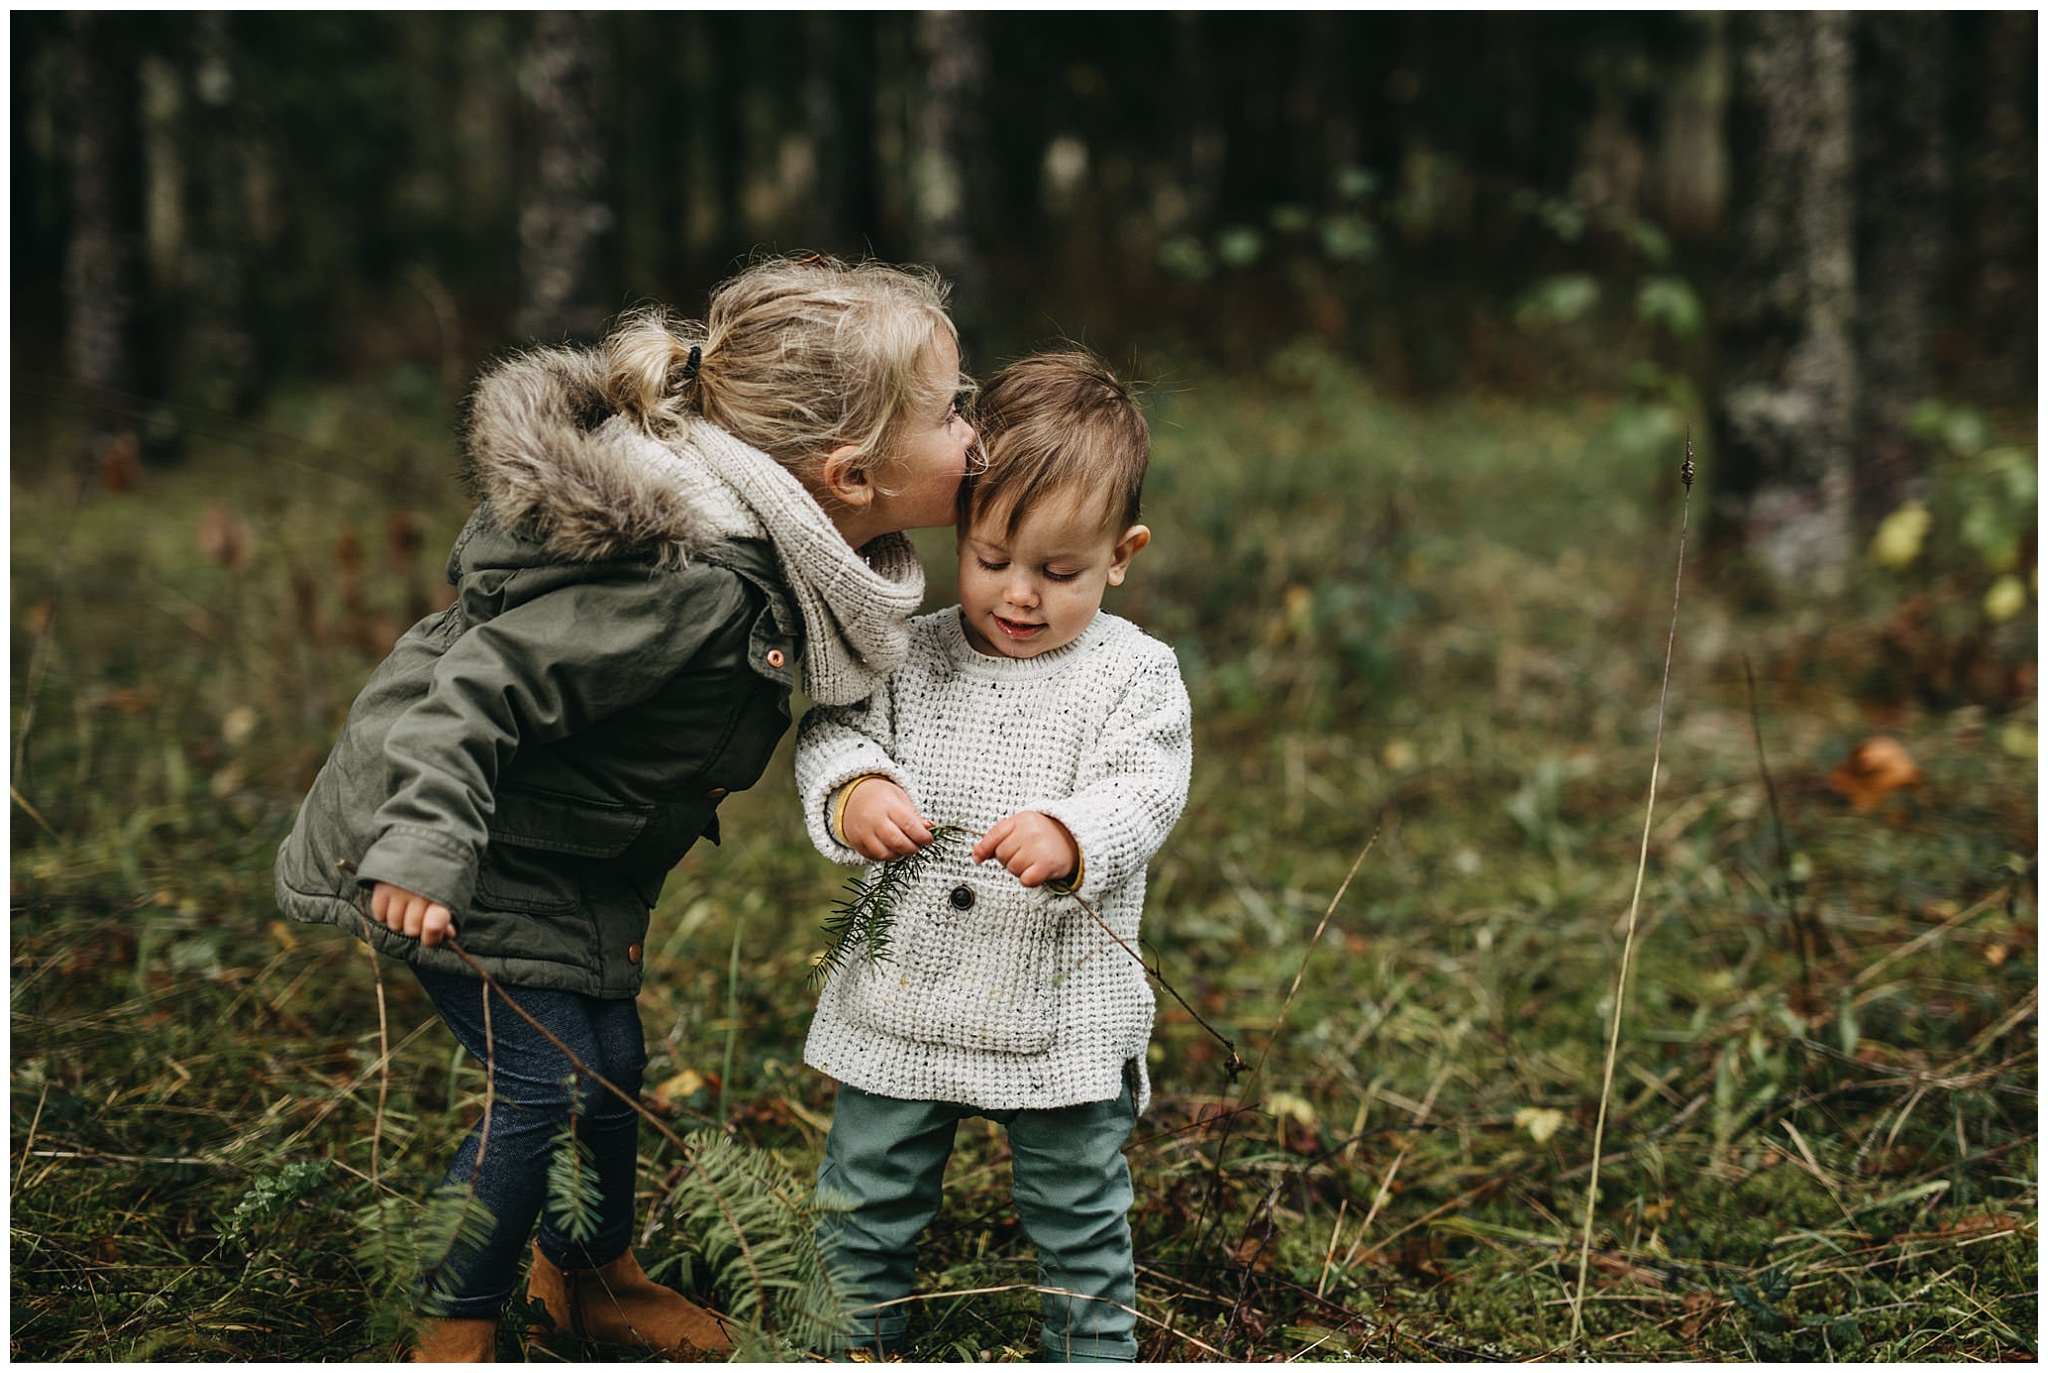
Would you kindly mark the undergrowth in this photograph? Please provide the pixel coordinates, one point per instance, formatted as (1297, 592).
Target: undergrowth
(1442, 624)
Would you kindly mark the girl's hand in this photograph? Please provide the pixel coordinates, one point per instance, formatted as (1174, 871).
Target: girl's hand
(410, 914)
(1035, 848)
(880, 823)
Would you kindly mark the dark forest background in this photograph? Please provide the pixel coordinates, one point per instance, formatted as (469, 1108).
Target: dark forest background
(1834, 209)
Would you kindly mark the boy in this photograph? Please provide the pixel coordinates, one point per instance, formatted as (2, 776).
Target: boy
(1059, 737)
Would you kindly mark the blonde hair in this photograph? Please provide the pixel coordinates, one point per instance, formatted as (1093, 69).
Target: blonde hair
(796, 356)
(1057, 424)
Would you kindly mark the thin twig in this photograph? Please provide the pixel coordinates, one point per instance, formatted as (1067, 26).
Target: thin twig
(1279, 1022)
(1628, 945)
(30, 1143)
(1314, 942)
(1800, 935)
(1236, 1065)
(383, 1062)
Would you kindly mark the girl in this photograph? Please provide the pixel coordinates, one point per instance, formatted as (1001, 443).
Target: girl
(668, 525)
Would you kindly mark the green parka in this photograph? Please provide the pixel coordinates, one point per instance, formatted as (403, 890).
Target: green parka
(538, 756)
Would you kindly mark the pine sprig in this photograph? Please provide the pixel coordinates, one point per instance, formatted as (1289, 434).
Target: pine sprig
(573, 1187)
(861, 920)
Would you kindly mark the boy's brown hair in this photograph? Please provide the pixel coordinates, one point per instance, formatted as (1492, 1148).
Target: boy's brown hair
(1057, 422)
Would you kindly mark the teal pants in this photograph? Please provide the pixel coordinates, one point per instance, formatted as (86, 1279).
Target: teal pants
(884, 1161)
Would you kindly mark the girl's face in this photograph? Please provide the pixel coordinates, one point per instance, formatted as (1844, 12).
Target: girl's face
(917, 486)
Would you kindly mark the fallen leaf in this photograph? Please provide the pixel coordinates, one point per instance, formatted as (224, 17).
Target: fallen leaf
(1878, 767)
(224, 537)
(121, 462)
(1540, 1121)
(2006, 598)
(687, 1083)
(1899, 538)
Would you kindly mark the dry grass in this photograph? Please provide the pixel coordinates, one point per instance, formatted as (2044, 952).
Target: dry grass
(1443, 625)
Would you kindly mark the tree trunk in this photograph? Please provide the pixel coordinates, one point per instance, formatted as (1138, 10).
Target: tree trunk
(2003, 209)
(100, 259)
(565, 81)
(218, 360)
(1903, 180)
(1786, 403)
(946, 146)
(1693, 158)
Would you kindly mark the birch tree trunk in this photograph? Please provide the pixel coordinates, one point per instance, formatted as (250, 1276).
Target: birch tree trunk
(1786, 402)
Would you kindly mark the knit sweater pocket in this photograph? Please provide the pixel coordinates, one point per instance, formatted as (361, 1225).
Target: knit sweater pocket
(970, 964)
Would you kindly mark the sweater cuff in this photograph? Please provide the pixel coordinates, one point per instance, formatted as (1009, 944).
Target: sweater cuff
(836, 817)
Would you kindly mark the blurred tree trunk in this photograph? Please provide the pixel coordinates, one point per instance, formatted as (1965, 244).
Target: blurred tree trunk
(1785, 404)
(1201, 137)
(218, 356)
(839, 122)
(100, 259)
(565, 81)
(1693, 157)
(1903, 182)
(946, 153)
(2003, 209)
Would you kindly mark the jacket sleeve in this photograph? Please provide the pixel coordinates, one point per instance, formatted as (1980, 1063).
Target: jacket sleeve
(836, 744)
(536, 672)
(1131, 786)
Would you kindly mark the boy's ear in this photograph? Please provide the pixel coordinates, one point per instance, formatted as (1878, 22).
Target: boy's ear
(1135, 538)
(843, 481)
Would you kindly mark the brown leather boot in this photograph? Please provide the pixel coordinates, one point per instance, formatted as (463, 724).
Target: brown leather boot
(619, 1304)
(454, 1341)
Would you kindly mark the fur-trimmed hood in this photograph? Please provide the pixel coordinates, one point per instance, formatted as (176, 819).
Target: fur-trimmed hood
(553, 459)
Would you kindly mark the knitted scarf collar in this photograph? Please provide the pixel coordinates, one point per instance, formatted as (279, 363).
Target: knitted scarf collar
(856, 605)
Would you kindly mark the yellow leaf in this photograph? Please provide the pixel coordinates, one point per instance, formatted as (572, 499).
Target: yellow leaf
(1898, 540)
(1291, 1107)
(1540, 1121)
(2006, 598)
(686, 1083)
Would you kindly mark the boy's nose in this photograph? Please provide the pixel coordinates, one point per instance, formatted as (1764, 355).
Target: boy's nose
(1020, 592)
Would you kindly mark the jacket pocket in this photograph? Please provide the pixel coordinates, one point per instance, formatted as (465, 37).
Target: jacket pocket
(970, 965)
(536, 837)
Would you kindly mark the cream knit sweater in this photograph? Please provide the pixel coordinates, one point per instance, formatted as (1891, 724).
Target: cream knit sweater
(992, 995)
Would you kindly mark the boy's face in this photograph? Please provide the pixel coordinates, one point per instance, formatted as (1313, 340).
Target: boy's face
(1029, 593)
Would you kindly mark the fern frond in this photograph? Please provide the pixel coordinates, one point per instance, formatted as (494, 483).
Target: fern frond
(573, 1186)
(452, 1225)
(861, 919)
(755, 1225)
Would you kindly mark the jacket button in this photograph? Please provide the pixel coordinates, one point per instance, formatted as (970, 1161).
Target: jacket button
(632, 953)
(715, 794)
(775, 658)
(962, 897)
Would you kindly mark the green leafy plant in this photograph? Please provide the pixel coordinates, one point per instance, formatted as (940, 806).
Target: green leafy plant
(861, 919)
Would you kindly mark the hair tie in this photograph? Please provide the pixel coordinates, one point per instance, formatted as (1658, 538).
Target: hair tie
(690, 367)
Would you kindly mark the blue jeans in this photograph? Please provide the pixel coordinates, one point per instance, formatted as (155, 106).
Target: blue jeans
(535, 1092)
(1072, 1190)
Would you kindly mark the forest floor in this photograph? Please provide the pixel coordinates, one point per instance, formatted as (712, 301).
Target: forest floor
(1436, 630)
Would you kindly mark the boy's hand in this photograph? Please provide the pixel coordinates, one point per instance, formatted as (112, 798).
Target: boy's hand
(880, 822)
(410, 914)
(1033, 846)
